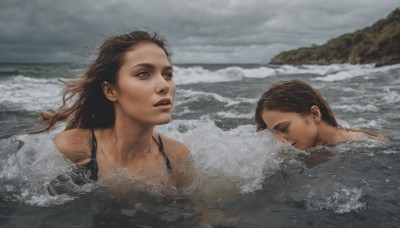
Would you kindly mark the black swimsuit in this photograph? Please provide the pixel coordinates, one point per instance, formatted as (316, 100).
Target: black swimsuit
(93, 169)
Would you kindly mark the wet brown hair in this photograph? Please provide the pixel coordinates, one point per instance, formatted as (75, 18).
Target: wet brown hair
(92, 109)
(293, 96)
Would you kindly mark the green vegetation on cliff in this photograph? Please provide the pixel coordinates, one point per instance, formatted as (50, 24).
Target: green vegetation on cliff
(379, 44)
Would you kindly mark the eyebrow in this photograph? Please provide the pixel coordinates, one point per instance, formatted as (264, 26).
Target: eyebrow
(278, 125)
(151, 66)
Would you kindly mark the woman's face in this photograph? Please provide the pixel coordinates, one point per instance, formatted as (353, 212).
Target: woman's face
(145, 91)
(294, 128)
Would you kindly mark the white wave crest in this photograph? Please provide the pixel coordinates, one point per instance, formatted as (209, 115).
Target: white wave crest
(234, 115)
(28, 164)
(341, 200)
(188, 96)
(198, 74)
(353, 71)
(355, 108)
(238, 158)
(31, 94)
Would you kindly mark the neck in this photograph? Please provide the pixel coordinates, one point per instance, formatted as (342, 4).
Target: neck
(129, 140)
(329, 135)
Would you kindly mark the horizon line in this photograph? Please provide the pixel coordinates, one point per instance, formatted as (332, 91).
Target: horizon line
(75, 63)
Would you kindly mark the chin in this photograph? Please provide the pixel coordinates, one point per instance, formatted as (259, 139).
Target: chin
(164, 121)
(301, 147)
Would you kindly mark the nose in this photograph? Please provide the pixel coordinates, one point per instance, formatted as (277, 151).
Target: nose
(162, 85)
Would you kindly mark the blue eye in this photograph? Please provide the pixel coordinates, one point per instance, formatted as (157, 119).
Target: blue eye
(143, 75)
(168, 76)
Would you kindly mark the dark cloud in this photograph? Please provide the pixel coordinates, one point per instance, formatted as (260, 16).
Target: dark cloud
(198, 31)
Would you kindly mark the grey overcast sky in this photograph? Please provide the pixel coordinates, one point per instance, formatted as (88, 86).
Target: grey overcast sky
(199, 31)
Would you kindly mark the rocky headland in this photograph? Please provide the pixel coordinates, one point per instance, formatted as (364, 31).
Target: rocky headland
(379, 44)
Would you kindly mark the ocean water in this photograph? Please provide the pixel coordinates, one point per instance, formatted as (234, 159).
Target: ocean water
(247, 179)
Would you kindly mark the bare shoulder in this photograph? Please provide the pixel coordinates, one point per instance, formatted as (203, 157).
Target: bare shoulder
(366, 134)
(175, 150)
(181, 158)
(74, 144)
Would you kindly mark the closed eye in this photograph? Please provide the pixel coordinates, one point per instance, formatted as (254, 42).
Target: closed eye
(282, 127)
(283, 130)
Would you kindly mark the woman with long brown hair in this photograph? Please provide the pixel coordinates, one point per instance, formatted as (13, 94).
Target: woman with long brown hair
(297, 113)
(111, 112)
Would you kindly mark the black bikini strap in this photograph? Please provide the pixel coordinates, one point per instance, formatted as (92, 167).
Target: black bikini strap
(161, 149)
(94, 146)
(92, 164)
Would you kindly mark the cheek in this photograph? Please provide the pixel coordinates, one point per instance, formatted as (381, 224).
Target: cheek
(132, 96)
(303, 130)
(310, 133)
(133, 90)
(172, 89)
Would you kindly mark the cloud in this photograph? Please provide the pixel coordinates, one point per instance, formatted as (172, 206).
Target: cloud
(225, 31)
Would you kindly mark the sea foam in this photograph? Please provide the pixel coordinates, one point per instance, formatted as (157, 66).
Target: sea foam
(31, 94)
